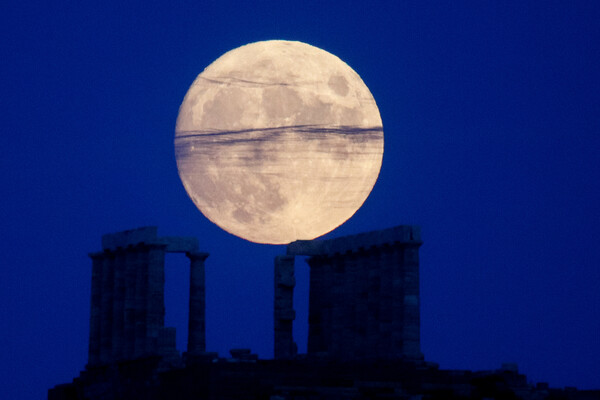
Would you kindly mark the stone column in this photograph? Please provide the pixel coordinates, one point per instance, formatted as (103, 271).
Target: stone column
(316, 293)
(118, 306)
(108, 266)
(337, 310)
(141, 302)
(398, 327)
(197, 308)
(348, 304)
(361, 308)
(284, 314)
(96, 309)
(385, 303)
(328, 302)
(166, 344)
(155, 314)
(321, 303)
(131, 255)
(373, 300)
(411, 307)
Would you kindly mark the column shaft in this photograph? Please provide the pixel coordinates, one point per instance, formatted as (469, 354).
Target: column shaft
(398, 327)
(141, 302)
(129, 304)
(316, 306)
(348, 300)
(108, 266)
(118, 306)
(96, 309)
(361, 310)
(197, 307)
(155, 317)
(385, 304)
(373, 300)
(337, 309)
(284, 314)
(411, 307)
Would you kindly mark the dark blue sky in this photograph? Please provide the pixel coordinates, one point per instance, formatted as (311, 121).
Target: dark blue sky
(491, 114)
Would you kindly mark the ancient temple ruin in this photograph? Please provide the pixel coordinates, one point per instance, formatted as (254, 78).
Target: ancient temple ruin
(363, 297)
(363, 339)
(127, 297)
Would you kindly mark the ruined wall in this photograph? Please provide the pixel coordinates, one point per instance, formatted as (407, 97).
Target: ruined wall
(127, 297)
(364, 295)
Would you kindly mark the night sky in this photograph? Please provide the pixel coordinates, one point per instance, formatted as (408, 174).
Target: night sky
(491, 116)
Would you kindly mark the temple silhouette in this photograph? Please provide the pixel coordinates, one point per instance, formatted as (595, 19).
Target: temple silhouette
(363, 330)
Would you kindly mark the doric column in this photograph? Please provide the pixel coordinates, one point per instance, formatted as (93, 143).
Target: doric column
(96, 309)
(141, 302)
(411, 308)
(348, 305)
(108, 266)
(155, 313)
(385, 303)
(316, 306)
(361, 308)
(373, 300)
(337, 310)
(284, 314)
(398, 327)
(197, 308)
(118, 306)
(131, 255)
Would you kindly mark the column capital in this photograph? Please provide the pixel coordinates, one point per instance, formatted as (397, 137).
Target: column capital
(97, 255)
(196, 255)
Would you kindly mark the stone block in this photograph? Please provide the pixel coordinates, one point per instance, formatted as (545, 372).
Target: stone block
(130, 237)
(148, 236)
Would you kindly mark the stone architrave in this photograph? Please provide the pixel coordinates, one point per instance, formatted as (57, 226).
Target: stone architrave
(196, 318)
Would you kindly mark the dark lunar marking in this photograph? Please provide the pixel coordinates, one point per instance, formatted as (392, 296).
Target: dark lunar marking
(242, 216)
(229, 101)
(339, 85)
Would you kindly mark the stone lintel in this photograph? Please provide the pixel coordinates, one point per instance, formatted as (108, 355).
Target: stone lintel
(179, 244)
(402, 234)
(148, 236)
(197, 255)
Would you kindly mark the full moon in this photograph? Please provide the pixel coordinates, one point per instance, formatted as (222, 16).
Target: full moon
(278, 141)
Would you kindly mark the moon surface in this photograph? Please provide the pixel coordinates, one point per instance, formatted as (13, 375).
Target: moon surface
(278, 141)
